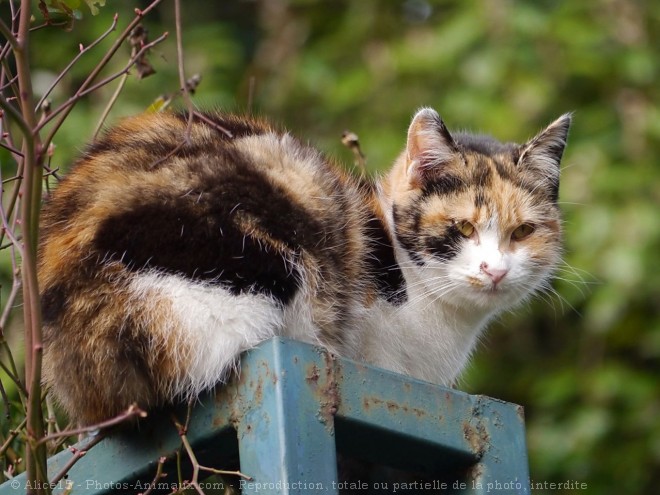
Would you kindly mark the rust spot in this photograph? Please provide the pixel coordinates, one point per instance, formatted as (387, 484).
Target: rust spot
(477, 436)
(257, 391)
(295, 359)
(475, 472)
(420, 413)
(268, 373)
(392, 406)
(323, 382)
(520, 411)
(313, 373)
(329, 396)
(368, 401)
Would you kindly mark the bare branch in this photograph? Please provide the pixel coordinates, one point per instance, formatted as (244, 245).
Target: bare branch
(15, 114)
(159, 474)
(197, 467)
(139, 14)
(35, 455)
(12, 435)
(77, 455)
(132, 412)
(81, 93)
(212, 124)
(109, 106)
(185, 90)
(112, 27)
(9, 35)
(13, 150)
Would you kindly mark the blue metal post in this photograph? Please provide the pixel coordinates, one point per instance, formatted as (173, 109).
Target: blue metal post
(288, 413)
(284, 443)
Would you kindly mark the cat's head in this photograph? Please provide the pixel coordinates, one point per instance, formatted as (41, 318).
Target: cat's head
(478, 219)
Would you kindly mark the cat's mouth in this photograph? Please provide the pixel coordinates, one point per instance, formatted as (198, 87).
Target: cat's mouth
(482, 286)
(489, 288)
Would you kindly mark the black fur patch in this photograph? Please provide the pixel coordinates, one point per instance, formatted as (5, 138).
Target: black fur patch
(197, 235)
(443, 185)
(447, 246)
(485, 145)
(482, 175)
(408, 238)
(503, 171)
(53, 303)
(382, 264)
(98, 147)
(480, 199)
(508, 175)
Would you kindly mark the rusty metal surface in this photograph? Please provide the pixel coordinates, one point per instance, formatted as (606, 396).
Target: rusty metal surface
(293, 406)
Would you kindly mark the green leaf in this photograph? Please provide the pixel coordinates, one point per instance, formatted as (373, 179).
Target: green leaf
(92, 5)
(159, 104)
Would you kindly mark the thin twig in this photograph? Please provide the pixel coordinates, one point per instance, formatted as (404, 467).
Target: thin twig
(210, 123)
(15, 288)
(5, 399)
(12, 149)
(132, 412)
(9, 83)
(15, 114)
(197, 467)
(5, 50)
(9, 35)
(139, 14)
(77, 455)
(108, 107)
(48, 24)
(81, 93)
(159, 474)
(194, 483)
(75, 59)
(12, 435)
(185, 90)
(13, 377)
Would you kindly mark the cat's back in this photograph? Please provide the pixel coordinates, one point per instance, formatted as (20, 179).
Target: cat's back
(157, 177)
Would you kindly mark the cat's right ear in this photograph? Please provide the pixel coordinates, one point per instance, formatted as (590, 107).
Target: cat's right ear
(429, 146)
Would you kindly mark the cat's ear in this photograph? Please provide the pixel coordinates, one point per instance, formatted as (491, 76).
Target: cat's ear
(429, 146)
(542, 154)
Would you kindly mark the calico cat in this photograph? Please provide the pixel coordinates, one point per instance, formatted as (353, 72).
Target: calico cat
(161, 260)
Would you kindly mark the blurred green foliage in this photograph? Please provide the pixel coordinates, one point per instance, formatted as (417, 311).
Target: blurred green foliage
(584, 362)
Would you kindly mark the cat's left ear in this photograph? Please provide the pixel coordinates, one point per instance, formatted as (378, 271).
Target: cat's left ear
(429, 148)
(542, 154)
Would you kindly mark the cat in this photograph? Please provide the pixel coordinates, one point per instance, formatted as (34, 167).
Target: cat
(163, 258)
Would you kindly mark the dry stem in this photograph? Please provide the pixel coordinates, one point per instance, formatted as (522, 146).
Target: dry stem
(197, 467)
(132, 412)
(77, 455)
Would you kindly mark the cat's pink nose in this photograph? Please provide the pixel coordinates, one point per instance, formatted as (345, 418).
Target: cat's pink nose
(495, 274)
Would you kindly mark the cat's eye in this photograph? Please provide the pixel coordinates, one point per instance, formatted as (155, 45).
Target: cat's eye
(522, 231)
(465, 228)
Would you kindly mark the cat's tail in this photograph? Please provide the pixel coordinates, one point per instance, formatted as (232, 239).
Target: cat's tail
(153, 339)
